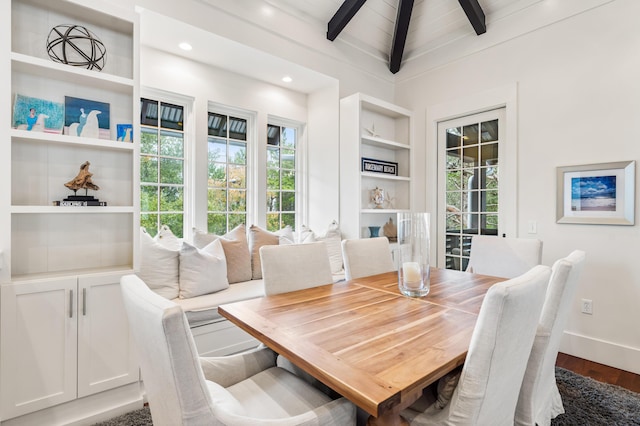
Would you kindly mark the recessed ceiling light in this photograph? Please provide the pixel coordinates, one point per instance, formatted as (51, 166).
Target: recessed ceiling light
(185, 46)
(287, 79)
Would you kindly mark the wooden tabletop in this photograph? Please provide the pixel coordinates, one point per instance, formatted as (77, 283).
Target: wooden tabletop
(365, 340)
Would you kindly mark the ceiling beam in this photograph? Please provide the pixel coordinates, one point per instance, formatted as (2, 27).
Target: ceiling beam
(403, 18)
(342, 17)
(475, 14)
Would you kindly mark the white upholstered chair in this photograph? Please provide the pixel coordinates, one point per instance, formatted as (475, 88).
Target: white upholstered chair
(488, 387)
(540, 399)
(244, 389)
(294, 267)
(366, 256)
(503, 257)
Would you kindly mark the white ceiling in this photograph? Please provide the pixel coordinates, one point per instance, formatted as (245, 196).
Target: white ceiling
(434, 24)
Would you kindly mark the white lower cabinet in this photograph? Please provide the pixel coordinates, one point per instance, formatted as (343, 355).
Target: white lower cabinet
(62, 339)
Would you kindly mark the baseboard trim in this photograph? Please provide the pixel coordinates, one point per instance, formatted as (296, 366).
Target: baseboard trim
(85, 411)
(601, 351)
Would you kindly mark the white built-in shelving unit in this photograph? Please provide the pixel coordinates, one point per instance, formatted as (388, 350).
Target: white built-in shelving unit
(391, 141)
(65, 347)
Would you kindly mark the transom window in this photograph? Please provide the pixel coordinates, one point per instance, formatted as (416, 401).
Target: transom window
(162, 161)
(227, 179)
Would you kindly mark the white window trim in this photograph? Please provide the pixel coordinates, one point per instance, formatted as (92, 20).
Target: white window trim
(188, 129)
(504, 96)
(252, 155)
(302, 201)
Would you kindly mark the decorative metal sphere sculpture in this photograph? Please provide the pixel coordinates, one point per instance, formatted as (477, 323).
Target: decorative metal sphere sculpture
(77, 46)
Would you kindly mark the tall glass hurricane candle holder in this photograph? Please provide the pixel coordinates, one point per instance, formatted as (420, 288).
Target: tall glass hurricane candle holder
(413, 254)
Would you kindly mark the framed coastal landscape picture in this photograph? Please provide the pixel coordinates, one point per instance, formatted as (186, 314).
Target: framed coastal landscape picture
(601, 194)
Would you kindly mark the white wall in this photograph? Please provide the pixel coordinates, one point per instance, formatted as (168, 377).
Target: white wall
(578, 101)
(323, 157)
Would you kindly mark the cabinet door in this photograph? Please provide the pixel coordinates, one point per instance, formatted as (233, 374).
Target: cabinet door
(39, 340)
(105, 348)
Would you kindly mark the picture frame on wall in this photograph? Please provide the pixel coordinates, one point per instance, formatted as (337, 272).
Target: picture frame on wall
(596, 194)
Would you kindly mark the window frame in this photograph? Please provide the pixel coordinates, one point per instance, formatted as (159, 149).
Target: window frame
(301, 203)
(188, 133)
(250, 117)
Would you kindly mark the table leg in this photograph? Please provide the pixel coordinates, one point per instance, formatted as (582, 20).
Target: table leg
(390, 418)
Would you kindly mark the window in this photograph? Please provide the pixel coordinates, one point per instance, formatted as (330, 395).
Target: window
(162, 166)
(471, 149)
(281, 197)
(227, 177)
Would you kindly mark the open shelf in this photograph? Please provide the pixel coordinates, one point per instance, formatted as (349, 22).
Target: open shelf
(361, 115)
(383, 143)
(72, 210)
(43, 68)
(52, 138)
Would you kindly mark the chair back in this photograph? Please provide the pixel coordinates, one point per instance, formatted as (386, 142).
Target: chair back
(540, 399)
(488, 389)
(503, 257)
(294, 267)
(366, 256)
(173, 379)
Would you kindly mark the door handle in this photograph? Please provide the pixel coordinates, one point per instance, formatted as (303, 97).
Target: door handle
(70, 303)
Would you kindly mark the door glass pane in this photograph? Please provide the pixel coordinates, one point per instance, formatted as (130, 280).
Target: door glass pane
(489, 131)
(470, 168)
(470, 135)
(454, 137)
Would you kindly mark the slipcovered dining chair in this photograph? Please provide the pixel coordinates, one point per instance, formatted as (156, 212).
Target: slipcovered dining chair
(294, 267)
(488, 386)
(503, 257)
(540, 400)
(245, 389)
(366, 256)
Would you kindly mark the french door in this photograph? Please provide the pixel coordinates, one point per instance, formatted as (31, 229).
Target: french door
(471, 165)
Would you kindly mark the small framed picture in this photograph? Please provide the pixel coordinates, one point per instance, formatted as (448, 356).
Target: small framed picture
(89, 119)
(37, 115)
(124, 132)
(601, 194)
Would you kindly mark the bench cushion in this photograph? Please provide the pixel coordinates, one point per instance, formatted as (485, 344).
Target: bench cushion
(203, 309)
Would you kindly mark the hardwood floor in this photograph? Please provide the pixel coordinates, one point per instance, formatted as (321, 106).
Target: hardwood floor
(600, 372)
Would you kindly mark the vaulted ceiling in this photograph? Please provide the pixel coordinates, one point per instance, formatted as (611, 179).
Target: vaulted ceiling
(433, 23)
(349, 8)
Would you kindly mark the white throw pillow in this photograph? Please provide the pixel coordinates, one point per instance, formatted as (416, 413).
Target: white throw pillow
(202, 271)
(236, 251)
(159, 266)
(166, 238)
(305, 235)
(333, 240)
(285, 235)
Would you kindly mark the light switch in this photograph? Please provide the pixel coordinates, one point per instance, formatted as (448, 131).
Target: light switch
(533, 227)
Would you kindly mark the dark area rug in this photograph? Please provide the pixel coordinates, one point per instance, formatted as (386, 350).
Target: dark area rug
(589, 402)
(586, 403)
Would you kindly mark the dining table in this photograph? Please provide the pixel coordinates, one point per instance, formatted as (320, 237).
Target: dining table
(366, 340)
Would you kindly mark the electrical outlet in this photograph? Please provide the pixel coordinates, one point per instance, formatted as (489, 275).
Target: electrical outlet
(587, 306)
